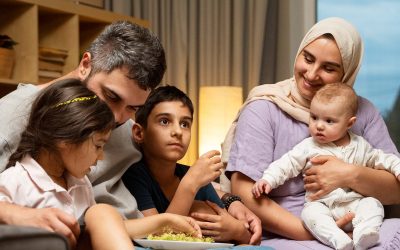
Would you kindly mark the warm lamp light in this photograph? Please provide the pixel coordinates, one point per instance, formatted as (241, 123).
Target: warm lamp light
(218, 107)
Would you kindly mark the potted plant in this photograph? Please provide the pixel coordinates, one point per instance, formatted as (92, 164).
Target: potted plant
(7, 56)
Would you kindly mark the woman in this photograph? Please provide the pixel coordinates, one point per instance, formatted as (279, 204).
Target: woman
(274, 119)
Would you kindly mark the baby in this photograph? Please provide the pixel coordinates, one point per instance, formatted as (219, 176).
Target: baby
(332, 113)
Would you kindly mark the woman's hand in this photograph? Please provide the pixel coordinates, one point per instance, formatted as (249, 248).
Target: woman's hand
(222, 226)
(327, 174)
(206, 169)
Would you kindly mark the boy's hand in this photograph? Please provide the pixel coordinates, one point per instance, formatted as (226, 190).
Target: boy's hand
(260, 187)
(206, 169)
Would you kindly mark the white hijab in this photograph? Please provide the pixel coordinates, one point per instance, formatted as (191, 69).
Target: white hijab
(285, 93)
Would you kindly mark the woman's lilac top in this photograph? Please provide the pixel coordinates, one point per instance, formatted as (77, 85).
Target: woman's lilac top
(264, 133)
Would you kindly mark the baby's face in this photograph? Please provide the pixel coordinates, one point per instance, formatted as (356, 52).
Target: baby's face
(329, 122)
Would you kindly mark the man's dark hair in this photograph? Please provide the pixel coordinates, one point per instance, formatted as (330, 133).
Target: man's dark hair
(158, 95)
(124, 44)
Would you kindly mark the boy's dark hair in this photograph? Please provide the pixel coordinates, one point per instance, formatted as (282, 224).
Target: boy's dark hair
(124, 44)
(158, 95)
(58, 116)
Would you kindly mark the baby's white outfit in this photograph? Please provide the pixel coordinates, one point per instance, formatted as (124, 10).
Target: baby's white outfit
(319, 216)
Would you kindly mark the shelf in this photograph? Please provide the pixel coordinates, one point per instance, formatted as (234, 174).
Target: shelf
(6, 86)
(60, 24)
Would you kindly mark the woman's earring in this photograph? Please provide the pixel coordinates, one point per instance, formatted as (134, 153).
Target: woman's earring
(83, 72)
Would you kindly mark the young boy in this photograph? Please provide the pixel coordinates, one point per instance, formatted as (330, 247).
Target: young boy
(332, 114)
(160, 184)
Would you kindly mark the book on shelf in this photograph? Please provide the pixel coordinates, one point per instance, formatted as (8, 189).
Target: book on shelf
(52, 59)
(49, 73)
(53, 55)
(53, 52)
(43, 79)
(51, 66)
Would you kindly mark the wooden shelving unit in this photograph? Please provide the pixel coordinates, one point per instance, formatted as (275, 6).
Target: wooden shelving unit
(61, 24)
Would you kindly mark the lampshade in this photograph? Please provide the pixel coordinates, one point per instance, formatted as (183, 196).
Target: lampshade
(218, 106)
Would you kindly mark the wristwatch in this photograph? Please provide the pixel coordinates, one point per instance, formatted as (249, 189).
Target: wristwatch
(228, 198)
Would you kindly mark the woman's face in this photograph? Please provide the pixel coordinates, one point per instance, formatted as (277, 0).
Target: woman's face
(319, 63)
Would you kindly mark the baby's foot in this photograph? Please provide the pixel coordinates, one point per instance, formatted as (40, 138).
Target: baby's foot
(368, 239)
(347, 246)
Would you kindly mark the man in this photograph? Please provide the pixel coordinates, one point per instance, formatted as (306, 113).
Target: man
(122, 65)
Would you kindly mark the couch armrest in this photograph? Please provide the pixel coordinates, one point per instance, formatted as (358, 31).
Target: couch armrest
(19, 238)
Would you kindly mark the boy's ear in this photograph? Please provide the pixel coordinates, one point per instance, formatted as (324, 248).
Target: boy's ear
(352, 120)
(137, 133)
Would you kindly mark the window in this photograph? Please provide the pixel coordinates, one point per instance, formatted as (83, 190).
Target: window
(379, 77)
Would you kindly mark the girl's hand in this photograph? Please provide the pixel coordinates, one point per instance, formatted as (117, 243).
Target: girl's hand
(260, 187)
(206, 169)
(222, 226)
(327, 174)
(183, 224)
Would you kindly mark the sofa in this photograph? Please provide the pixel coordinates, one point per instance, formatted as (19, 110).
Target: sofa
(22, 238)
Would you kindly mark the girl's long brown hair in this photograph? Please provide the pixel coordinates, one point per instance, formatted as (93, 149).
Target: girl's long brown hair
(74, 122)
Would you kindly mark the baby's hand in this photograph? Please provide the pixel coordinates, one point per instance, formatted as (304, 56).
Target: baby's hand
(260, 187)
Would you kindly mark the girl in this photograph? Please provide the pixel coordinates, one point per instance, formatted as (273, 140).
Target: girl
(65, 135)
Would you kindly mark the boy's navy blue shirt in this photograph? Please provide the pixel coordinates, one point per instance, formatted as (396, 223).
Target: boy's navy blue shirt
(148, 194)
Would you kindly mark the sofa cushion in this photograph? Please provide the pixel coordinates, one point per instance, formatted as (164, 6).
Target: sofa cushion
(19, 238)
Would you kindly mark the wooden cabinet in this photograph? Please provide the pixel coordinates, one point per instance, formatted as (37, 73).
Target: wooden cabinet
(60, 24)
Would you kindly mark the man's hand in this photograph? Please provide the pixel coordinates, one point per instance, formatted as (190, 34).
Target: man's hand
(222, 226)
(327, 174)
(51, 219)
(238, 210)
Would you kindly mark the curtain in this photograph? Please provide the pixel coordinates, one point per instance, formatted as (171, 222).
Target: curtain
(213, 42)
